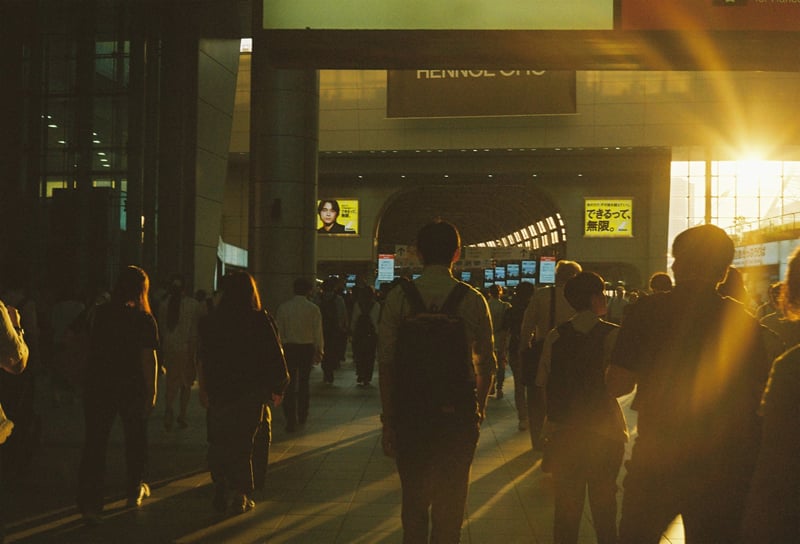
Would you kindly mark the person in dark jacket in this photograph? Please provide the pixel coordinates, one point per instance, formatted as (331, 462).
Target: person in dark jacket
(242, 368)
(772, 515)
(120, 380)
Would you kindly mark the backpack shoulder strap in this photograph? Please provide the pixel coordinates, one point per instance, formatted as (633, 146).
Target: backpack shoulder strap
(412, 295)
(454, 298)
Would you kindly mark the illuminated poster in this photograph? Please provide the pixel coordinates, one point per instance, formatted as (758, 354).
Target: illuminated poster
(337, 216)
(608, 218)
(385, 267)
(547, 270)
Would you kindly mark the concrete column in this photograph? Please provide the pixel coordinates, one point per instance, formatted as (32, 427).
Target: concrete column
(284, 146)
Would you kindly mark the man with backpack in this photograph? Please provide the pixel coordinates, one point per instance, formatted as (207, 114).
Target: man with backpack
(436, 365)
(585, 429)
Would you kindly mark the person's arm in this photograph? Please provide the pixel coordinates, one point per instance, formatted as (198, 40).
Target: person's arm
(387, 340)
(528, 326)
(15, 352)
(319, 337)
(201, 382)
(149, 361)
(483, 353)
(543, 369)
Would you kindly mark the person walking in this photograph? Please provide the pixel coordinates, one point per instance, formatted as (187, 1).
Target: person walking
(177, 319)
(364, 333)
(300, 327)
(242, 369)
(500, 328)
(585, 426)
(701, 362)
(548, 308)
(120, 380)
(432, 412)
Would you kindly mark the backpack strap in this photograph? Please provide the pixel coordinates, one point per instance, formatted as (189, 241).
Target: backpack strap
(454, 298)
(413, 296)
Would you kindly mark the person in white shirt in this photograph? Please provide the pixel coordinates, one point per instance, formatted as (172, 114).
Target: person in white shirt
(300, 328)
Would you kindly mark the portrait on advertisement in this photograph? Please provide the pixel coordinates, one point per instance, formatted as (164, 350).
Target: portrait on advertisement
(337, 216)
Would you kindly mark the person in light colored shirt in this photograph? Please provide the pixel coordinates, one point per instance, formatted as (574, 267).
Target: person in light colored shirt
(300, 328)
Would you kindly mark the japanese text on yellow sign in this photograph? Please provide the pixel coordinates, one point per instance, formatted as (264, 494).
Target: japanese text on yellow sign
(608, 218)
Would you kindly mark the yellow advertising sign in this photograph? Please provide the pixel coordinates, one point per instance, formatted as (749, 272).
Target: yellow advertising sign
(608, 217)
(337, 216)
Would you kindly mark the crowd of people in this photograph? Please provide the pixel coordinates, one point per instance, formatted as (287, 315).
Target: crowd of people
(714, 380)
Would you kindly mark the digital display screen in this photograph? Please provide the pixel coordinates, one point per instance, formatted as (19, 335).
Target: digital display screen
(466, 275)
(529, 269)
(488, 275)
(512, 270)
(500, 273)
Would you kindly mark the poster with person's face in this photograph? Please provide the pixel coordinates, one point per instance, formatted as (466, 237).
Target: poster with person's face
(337, 216)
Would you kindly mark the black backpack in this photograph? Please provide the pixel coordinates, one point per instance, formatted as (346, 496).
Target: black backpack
(576, 391)
(433, 363)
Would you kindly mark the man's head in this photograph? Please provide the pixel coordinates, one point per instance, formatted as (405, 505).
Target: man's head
(328, 211)
(660, 282)
(565, 270)
(584, 291)
(495, 291)
(702, 253)
(439, 243)
(302, 286)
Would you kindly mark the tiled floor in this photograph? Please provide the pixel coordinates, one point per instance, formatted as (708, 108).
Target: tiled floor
(327, 483)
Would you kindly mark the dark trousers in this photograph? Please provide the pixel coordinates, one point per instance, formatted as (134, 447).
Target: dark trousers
(584, 460)
(100, 411)
(364, 359)
(433, 460)
(239, 436)
(299, 359)
(709, 492)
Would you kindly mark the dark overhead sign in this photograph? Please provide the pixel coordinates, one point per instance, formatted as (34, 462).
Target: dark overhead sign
(479, 93)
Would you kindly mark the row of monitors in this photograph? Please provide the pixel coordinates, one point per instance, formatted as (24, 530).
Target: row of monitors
(512, 274)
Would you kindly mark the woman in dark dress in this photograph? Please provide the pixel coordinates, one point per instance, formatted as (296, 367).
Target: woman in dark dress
(120, 380)
(242, 369)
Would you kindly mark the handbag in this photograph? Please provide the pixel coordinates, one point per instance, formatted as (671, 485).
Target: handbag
(530, 356)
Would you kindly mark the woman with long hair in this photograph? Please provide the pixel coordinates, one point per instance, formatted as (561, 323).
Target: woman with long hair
(177, 323)
(242, 369)
(120, 380)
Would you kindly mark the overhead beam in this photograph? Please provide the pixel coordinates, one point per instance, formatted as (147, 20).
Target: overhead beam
(544, 49)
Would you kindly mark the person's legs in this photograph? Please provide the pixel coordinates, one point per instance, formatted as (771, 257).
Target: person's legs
(134, 426)
(369, 366)
(261, 444)
(570, 491)
(604, 463)
(520, 401)
(414, 465)
(305, 362)
(232, 430)
(290, 398)
(650, 502)
(172, 388)
(452, 458)
(185, 397)
(98, 418)
(536, 413)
